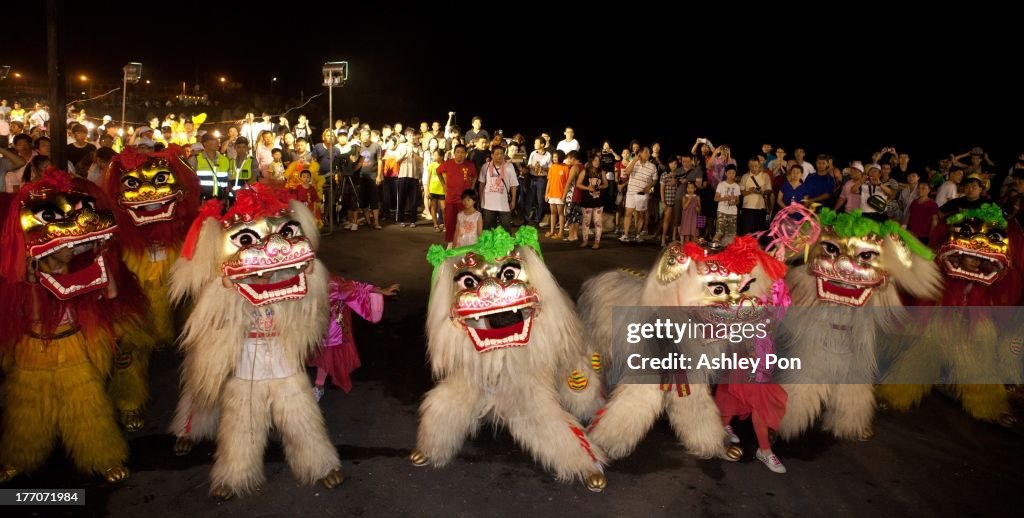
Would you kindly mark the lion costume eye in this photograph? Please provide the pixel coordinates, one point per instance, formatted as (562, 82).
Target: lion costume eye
(49, 213)
(160, 178)
(830, 248)
(467, 281)
(718, 289)
(245, 237)
(290, 230)
(131, 182)
(509, 272)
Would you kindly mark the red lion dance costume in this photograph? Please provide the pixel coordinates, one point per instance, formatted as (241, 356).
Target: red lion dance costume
(157, 198)
(261, 307)
(61, 281)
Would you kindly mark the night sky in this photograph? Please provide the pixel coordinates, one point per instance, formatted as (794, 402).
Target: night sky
(840, 82)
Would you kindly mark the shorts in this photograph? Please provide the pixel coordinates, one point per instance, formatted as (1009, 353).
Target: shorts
(439, 197)
(556, 201)
(637, 201)
(369, 195)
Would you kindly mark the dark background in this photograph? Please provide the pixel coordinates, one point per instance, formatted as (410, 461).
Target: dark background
(831, 79)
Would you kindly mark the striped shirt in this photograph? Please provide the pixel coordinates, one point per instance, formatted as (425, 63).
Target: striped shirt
(644, 175)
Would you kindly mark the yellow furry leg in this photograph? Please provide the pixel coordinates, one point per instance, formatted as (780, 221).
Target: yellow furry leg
(902, 397)
(129, 385)
(86, 420)
(984, 402)
(30, 418)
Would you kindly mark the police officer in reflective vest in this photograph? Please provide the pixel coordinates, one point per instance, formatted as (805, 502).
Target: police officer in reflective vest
(212, 169)
(240, 168)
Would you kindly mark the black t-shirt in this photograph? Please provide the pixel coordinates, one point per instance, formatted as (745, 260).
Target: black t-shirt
(958, 204)
(607, 161)
(479, 158)
(471, 136)
(76, 154)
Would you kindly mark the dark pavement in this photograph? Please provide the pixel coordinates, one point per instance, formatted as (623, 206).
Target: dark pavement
(934, 461)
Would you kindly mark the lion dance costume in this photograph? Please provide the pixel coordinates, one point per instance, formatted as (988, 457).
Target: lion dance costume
(59, 274)
(502, 335)
(728, 284)
(971, 344)
(846, 294)
(157, 197)
(261, 308)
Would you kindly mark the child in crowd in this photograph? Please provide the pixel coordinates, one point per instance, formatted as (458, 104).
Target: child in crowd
(306, 193)
(437, 192)
(690, 210)
(469, 224)
(338, 356)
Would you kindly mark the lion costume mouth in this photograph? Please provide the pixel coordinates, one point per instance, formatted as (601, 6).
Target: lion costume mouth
(145, 212)
(496, 316)
(839, 292)
(87, 271)
(991, 265)
(271, 272)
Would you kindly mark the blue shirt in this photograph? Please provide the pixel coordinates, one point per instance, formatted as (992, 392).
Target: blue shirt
(818, 184)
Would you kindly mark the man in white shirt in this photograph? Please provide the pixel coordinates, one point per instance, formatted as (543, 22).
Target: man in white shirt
(799, 155)
(497, 180)
(948, 189)
(570, 143)
(643, 176)
(538, 165)
(11, 168)
(756, 187)
(407, 184)
(727, 194)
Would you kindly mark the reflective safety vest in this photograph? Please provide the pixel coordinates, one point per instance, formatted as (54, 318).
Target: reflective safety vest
(213, 175)
(241, 173)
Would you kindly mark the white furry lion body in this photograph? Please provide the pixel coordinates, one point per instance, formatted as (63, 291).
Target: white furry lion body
(215, 341)
(521, 388)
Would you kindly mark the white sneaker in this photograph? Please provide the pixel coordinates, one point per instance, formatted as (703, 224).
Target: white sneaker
(769, 459)
(353, 226)
(733, 438)
(624, 238)
(318, 393)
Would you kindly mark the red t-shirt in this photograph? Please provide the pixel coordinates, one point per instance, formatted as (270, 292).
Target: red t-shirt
(920, 222)
(457, 178)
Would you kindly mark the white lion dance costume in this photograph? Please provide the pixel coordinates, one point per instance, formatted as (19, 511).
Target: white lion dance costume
(157, 198)
(61, 277)
(740, 276)
(847, 292)
(502, 337)
(260, 310)
(962, 338)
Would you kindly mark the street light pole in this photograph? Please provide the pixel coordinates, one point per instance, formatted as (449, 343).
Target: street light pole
(335, 74)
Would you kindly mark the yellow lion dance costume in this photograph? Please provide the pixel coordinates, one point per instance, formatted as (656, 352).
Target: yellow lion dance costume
(59, 275)
(157, 197)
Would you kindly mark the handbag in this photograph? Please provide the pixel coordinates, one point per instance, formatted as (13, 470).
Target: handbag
(877, 201)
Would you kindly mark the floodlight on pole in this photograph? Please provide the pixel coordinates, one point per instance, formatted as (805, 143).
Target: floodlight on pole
(132, 74)
(335, 74)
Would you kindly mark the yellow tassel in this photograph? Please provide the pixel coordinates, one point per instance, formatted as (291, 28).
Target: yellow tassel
(577, 381)
(595, 362)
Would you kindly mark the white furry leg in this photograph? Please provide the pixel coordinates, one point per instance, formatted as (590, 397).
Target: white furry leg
(242, 436)
(192, 423)
(803, 406)
(582, 404)
(697, 422)
(450, 412)
(625, 420)
(551, 434)
(296, 415)
(849, 411)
